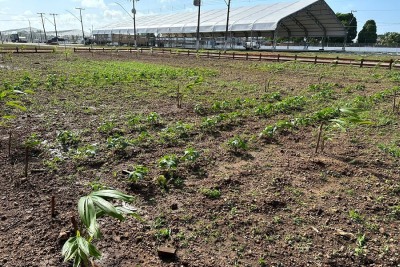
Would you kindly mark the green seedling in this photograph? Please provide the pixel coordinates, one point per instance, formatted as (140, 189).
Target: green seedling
(190, 155)
(138, 173)
(68, 139)
(236, 144)
(80, 248)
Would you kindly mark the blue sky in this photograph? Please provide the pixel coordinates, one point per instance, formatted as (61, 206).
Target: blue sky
(16, 13)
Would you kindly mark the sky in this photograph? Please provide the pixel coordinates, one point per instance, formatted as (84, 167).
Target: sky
(15, 14)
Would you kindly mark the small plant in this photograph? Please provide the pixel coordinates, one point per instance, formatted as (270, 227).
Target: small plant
(153, 118)
(211, 193)
(80, 248)
(169, 162)
(355, 216)
(118, 143)
(107, 127)
(138, 173)
(344, 117)
(163, 233)
(236, 144)
(199, 109)
(68, 139)
(361, 241)
(190, 155)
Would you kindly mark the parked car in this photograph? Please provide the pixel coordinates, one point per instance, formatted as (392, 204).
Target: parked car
(251, 45)
(55, 40)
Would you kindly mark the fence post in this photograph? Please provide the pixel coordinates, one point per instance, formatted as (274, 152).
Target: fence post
(233, 55)
(278, 58)
(219, 54)
(315, 59)
(361, 63)
(390, 64)
(247, 56)
(36, 49)
(295, 57)
(259, 59)
(208, 54)
(103, 49)
(89, 50)
(17, 49)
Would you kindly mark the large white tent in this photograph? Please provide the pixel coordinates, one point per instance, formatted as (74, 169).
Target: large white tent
(303, 18)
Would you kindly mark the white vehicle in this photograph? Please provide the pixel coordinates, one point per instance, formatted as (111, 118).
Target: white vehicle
(251, 45)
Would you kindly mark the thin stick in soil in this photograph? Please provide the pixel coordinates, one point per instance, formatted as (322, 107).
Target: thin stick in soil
(319, 136)
(9, 144)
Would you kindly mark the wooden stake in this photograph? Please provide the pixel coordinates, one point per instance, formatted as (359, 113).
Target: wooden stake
(394, 101)
(319, 137)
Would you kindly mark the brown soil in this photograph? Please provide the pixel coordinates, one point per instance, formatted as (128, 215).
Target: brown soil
(281, 204)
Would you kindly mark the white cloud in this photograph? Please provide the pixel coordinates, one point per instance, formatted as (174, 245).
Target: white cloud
(94, 3)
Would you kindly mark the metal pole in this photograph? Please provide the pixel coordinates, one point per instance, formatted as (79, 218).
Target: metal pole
(55, 25)
(44, 30)
(227, 24)
(80, 13)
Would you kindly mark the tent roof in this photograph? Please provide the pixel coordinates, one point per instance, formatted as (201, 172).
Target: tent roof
(310, 18)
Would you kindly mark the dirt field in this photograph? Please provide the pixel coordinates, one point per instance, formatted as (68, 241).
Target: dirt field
(255, 196)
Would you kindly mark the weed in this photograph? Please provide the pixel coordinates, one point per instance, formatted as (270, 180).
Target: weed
(355, 216)
(211, 193)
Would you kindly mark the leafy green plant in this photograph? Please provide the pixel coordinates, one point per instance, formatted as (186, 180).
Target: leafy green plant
(190, 154)
(153, 118)
(91, 207)
(138, 173)
(392, 149)
(211, 193)
(107, 127)
(345, 116)
(68, 139)
(237, 143)
(168, 162)
(118, 143)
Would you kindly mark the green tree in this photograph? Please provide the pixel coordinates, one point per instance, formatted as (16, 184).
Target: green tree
(390, 39)
(349, 21)
(368, 33)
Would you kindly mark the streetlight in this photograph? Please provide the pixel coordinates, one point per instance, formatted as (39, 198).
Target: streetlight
(197, 3)
(80, 19)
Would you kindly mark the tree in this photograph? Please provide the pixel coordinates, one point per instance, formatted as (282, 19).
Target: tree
(349, 21)
(390, 39)
(368, 33)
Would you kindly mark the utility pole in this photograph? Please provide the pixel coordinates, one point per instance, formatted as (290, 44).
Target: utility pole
(80, 13)
(30, 29)
(227, 23)
(55, 25)
(44, 30)
(134, 22)
(197, 3)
